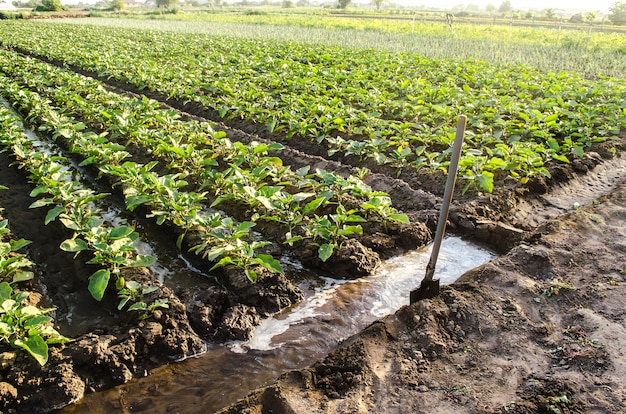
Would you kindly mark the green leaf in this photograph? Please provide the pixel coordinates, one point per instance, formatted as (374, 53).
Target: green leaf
(224, 261)
(325, 251)
(400, 218)
(561, 158)
(98, 282)
(5, 291)
(216, 252)
(485, 181)
(179, 241)
(142, 260)
(270, 126)
(39, 190)
(41, 202)
(291, 240)
(36, 347)
(22, 276)
(251, 275)
(244, 226)
(74, 245)
(5, 248)
(132, 202)
(314, 204)
(53, 214)
(120, 232)
(138, 306)
(221, 198)
(268, 261)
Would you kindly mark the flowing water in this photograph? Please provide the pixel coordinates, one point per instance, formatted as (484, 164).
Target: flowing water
(292, 339)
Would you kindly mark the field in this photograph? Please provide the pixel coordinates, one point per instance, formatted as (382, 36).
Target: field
(168, 185)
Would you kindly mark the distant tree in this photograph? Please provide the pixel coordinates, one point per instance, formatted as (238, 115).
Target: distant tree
(288, 4)
(379, 3)
(529, 15)
(303, 3)
(590, 17)
(576, 18)
(618, 13)
(344, 3)
(117, 5)
(490, 8)
(49, 5)
(505, 7)
(550, 13)
(165, 3)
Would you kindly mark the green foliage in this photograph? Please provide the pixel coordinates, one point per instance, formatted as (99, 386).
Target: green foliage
(49, 6)
(26, 326)
(506, 137)
(617, 14)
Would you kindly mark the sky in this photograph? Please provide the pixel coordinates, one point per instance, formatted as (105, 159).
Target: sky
(597, 5)
(601, 5)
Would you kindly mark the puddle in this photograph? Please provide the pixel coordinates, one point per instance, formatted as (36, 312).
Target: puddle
(292, 339)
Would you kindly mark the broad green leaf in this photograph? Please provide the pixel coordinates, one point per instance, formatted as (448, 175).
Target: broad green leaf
(70, 224)
(485, 181)
(5, 291)
(120, 232)
(314, 204)
(216, 252)
(245, 226)
(74, 245)
(36, 347)
(291, 240)
(132, 202)
(149, 289)
(37, 320)
(5, 248)
(221, 198)
(39, 190)
(355, 218)
(270, 262)
(41, 202)
(18, 244)
(53, 213)
(223, 262)
(138, 306)
(142, 260)
(22, 276)
(561, 158)
(98, 282)
(401, 218)
(325, 251)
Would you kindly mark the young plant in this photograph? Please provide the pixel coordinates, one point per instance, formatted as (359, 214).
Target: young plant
(26, 326)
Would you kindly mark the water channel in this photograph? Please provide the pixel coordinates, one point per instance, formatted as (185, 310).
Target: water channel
(292, 339)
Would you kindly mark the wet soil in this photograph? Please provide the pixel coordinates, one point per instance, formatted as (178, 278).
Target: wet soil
(536, 330)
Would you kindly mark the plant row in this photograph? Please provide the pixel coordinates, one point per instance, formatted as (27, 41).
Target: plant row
(111, 248)
(397, 109)
(23, 325)
(249, 176)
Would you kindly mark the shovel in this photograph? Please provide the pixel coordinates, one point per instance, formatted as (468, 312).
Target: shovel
(429, 288)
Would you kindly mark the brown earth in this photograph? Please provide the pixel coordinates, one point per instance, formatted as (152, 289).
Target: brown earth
(537, 330)
(541, 329)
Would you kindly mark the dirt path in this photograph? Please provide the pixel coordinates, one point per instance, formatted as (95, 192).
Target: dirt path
(538, 330)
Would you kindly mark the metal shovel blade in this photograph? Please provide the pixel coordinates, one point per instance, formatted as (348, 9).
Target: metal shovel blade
(429, 288)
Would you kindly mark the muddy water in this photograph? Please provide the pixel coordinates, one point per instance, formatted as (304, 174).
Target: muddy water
(292, 339)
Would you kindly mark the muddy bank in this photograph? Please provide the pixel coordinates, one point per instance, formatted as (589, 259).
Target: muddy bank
(539, 330)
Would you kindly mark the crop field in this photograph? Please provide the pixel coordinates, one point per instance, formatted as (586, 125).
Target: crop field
(127, 150)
